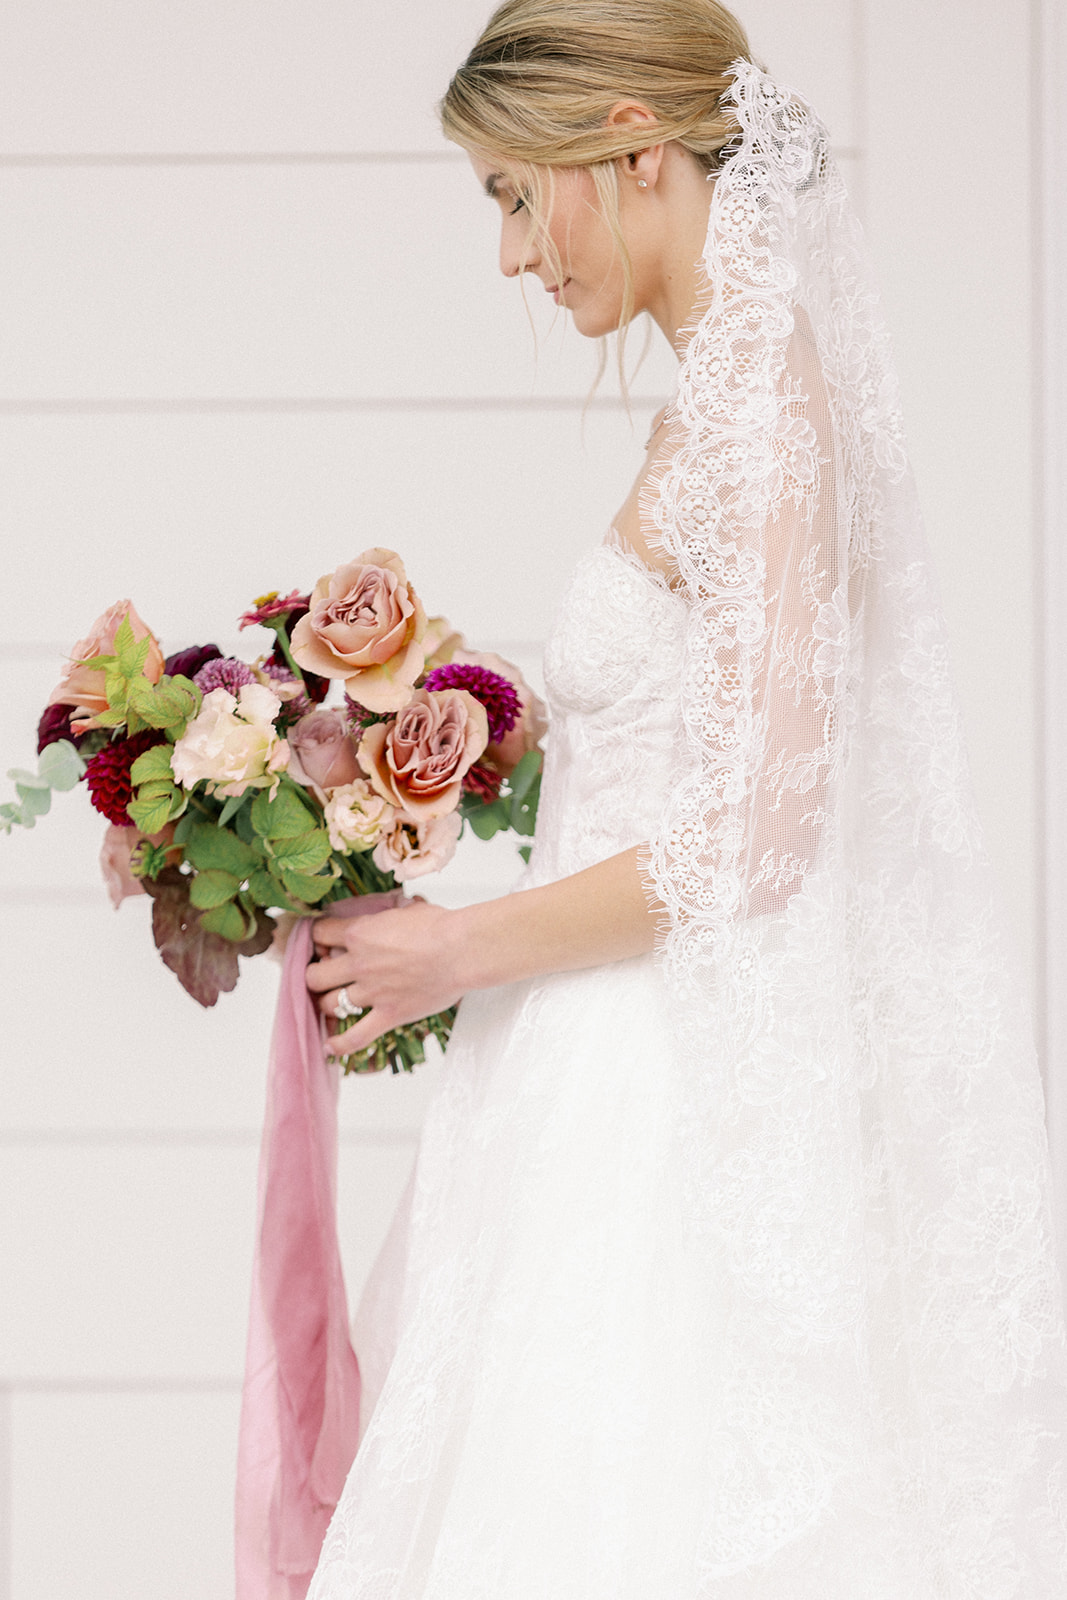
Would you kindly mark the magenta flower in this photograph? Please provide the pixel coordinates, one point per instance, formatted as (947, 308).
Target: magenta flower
(271, 605)
(499, 697)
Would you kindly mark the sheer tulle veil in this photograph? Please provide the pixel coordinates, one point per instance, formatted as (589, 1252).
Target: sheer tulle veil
(860, 1102)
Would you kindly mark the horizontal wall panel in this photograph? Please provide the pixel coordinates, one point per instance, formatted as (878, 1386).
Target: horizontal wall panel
(193, 516)
(276, 75)
(140, 75)
(136, 1262)
(123, 1496)
(125, 1261)
(372, 280)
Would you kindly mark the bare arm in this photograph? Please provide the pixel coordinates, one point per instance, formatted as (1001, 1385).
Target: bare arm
(409, 964)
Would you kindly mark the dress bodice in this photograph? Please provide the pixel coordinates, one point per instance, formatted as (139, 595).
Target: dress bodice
(612, 678)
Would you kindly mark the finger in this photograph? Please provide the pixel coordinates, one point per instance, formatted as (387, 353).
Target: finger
(330, 931)
(333, 972)
(329, 1002)
(358, 1036)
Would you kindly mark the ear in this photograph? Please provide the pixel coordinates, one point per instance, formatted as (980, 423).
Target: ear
(642, 167)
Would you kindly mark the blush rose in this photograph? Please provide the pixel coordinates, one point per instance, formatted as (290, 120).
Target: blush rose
(409, 848)
(85, 688)
(365, 625)
(418, 761)
(322, 752)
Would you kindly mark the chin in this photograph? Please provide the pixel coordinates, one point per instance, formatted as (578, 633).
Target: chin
(596, 322)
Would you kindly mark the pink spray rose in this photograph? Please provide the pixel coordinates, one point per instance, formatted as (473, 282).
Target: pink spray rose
(532, 725)
(322, 752)
(85, 688)
(418, 761)
(409, 848)
(366, 625)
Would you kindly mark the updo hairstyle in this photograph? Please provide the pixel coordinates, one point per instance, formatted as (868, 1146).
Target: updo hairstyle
(538, 86)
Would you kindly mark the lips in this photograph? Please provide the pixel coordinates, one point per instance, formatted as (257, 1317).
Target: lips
(555, 290)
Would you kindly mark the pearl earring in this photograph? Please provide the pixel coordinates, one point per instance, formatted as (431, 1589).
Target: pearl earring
(641, 184)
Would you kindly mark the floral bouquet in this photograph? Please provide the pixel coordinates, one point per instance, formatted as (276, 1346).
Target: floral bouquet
(234, 792)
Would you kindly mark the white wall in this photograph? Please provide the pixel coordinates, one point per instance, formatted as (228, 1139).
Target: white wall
(250, 322)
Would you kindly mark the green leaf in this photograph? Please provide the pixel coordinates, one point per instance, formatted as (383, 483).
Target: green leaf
(226, 920)
(488, 820)
(213, 888)
(125, 647)
(156, 789)
(149, 859)
(307, 853)
(525, 851)
(267, 891)
(35, 802)
(284, 817)
(117, 689)
(179, 802)
(185, 827)
(524, 774)
(154, 764)
(308, 889)
(212, 848)
(150, 815)
(231, 808)
(61, 764)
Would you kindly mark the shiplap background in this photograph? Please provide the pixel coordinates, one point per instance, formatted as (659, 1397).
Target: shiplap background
(251, 322)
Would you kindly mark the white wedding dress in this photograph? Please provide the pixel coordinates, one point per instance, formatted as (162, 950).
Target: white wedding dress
(559, 1408)
(727, 1273)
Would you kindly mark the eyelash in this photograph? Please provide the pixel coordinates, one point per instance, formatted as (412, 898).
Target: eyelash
(518, 206)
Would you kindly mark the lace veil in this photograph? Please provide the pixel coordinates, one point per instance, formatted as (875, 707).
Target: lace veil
(861, 1108)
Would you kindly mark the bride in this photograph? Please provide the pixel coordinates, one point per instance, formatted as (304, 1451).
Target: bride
(726, 1269)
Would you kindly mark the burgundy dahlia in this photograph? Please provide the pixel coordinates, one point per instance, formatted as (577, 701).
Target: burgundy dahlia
(187, 663)
(107, 774)
(499, 697)
(224, 673)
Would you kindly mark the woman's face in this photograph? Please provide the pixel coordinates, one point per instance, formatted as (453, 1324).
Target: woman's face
(589, 281)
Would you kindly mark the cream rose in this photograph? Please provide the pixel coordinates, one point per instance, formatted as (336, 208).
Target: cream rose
(355, 816)
(409, 848)
(85, 688)
(322, 751)
(532, 724)
(366, 625)
(418, 761)
(232, 744)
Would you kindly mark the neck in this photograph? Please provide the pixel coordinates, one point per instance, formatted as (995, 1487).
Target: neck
(680, 218)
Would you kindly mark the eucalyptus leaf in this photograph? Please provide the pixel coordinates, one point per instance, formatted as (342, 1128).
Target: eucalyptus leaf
(35, 802)
(61, 764)
(28, 780)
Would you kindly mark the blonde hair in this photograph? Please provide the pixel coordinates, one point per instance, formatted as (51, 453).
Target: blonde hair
(538, 86)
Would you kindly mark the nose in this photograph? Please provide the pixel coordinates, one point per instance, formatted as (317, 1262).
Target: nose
(518, 251)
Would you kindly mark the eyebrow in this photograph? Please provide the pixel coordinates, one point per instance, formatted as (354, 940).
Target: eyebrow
(491, 182)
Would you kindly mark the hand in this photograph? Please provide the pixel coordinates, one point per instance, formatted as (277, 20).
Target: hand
(398, 965)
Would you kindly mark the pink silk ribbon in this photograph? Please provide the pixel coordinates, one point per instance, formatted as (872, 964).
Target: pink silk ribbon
(300, 1403)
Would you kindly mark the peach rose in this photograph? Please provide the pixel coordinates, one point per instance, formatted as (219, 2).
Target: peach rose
(85, 688)
(366, 625)
(532, 724)
(440, 642)
(409, 848)
(417, 763)
(116, 851)
(322, 752)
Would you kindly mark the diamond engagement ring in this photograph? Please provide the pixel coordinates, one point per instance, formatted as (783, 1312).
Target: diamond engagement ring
(344, 1007)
